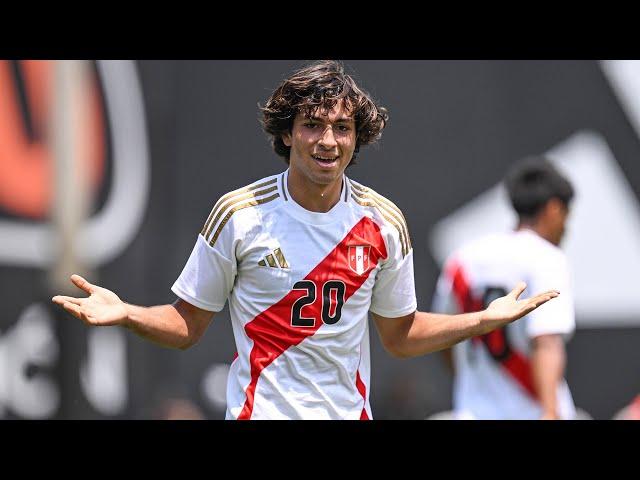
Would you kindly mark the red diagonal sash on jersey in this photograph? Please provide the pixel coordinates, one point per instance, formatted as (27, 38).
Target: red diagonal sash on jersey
(362, 388)
(271, 330)
(461, 289)
(514, 362)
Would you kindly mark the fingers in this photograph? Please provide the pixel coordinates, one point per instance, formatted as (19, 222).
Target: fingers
(541, 299)
(545, 297)
(81, 283)
(70, 304)
(74, 306)
(62, 299)
(517, 291)
(73, 309)
(549, 293)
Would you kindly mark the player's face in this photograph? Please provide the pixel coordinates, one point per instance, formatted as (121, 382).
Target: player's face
(560, 214)
(322, 146)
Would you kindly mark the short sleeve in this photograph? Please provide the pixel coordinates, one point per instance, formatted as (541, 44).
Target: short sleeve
(557, 315)
(394, 293)
(209, 274)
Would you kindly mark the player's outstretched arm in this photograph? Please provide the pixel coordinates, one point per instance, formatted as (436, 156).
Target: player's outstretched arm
(179, 325)
(420, 332)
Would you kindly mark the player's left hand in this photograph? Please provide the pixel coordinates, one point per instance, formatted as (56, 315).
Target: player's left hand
(506, 309)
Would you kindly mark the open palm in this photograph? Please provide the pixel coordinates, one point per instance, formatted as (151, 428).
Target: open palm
(102, 307)
(506, 309)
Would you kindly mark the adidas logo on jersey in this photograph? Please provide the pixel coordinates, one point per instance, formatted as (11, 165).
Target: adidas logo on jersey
(274, 260)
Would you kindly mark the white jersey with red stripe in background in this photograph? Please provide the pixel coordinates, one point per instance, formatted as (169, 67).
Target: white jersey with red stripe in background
(300, 285)
(492, 373)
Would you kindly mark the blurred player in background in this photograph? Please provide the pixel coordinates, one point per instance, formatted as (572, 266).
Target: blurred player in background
(516, 372)
(303, 256)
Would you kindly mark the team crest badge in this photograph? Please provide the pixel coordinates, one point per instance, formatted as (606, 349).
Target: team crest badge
(359, 258)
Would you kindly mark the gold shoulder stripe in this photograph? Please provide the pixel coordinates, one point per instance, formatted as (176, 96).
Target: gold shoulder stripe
(382, 199)
(369, 202)
(392, 207)
(251, 203)
(207, 227)
(232, 201)
(391, 212)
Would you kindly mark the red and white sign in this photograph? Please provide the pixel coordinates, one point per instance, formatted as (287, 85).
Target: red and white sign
(359, 258)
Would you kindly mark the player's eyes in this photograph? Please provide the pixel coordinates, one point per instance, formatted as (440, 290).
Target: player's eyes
(339, 128)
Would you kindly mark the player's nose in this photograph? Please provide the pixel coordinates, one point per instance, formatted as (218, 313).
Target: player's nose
(328, 139)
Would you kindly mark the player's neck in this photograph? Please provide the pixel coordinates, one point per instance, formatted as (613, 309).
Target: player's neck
(312, 196)
(535, 227)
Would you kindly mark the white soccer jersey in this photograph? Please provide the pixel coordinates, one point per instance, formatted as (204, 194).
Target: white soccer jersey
(300, 285)
(492, 372)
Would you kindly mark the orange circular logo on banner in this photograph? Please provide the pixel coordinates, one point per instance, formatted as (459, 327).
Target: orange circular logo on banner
(26, 155)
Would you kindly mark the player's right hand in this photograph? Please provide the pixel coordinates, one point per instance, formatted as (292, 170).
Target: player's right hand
(101, 308)
(506, 309)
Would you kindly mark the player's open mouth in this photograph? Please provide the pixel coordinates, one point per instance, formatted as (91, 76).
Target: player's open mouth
(325, 161)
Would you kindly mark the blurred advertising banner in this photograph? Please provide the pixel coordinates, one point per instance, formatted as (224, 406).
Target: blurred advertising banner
(74, 175)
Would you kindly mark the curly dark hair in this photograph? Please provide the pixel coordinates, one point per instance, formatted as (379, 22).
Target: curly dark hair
(321, 85)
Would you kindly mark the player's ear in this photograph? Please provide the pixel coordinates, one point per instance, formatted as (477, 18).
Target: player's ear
(555, 205)
(286, 139)
(556, 209)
